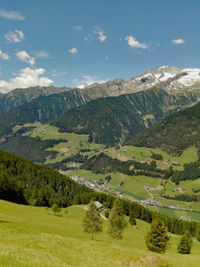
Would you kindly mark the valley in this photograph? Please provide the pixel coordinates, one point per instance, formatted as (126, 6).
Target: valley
(73, 149)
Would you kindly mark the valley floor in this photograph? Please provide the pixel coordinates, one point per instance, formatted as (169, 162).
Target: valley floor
(34, 236)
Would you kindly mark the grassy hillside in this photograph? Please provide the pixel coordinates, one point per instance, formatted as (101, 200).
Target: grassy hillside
(173, 134)
(33, 237)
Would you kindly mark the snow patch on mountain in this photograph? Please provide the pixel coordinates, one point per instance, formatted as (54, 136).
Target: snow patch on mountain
(192, 76)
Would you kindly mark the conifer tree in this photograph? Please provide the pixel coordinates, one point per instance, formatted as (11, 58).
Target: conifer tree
(198, 234)
(117, 221)
(185, 244)
(92, 222)
(156, 237)
(132, 219)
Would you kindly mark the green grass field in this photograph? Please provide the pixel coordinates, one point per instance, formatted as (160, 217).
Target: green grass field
(144, 154)
(133, 186)
(34, 237)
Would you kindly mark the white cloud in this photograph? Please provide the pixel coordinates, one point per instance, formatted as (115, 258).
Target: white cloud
(26, 78)
(14, 15)
(88, 80)
(14, 37)
(41, 54)
(101, 37)
(134, 43)
(4, 56)
(73, 50)
(78, 27)
(25, 57)
(178, 41)
(107, 58)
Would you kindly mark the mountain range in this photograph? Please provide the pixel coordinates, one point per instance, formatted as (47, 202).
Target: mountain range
(109, 113)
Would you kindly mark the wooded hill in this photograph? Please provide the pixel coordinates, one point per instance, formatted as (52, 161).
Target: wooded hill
(173, 134)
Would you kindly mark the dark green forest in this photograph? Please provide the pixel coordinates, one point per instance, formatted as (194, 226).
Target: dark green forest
(112, 119)
(173, 134)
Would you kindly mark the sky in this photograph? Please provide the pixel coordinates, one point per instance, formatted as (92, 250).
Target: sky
(72, 42)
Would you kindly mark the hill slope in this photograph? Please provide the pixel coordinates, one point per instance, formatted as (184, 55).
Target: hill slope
(33, 236)
(111, 119)
(22, 181)
(173, 134)
(19, 97)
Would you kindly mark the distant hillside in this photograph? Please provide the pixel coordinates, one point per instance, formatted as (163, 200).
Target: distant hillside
(41, 109)
(19, 97)
(173, 134)
(112, 119)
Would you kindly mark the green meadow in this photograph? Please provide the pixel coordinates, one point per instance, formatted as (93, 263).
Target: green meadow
(35, 237)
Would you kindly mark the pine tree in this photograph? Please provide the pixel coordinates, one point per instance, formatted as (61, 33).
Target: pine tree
(198, 234)
(157, 238)
(132, 219)
(185, 244)
(117, 221)
(92, 222)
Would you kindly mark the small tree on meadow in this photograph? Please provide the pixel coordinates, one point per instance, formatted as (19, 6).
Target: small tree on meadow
(132, 219)
(185, 244)
(92, 222)
(157, 238)
(55, 208)
(117, 221)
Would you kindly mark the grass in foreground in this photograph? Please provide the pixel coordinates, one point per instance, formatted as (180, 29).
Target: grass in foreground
(33, 236)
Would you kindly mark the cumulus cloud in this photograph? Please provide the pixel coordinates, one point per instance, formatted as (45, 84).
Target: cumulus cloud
(4, 56)
(25, 57)
(178, 41)
(41, 54)
(134, 43)
(88, 80)
(101, 37)
(14, 37)
(73, 50)
(13, 15)
(26, 78)
(78, 28)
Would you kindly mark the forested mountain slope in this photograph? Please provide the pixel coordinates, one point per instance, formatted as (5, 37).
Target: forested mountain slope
(173, 134)
(112, 119)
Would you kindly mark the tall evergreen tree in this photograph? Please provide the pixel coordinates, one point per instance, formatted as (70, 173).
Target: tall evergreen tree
(185, 244)
(92, 222)
(156, 237)
(132, 219)
(117, 221)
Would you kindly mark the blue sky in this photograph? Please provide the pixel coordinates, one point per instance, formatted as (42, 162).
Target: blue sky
(69, 42)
